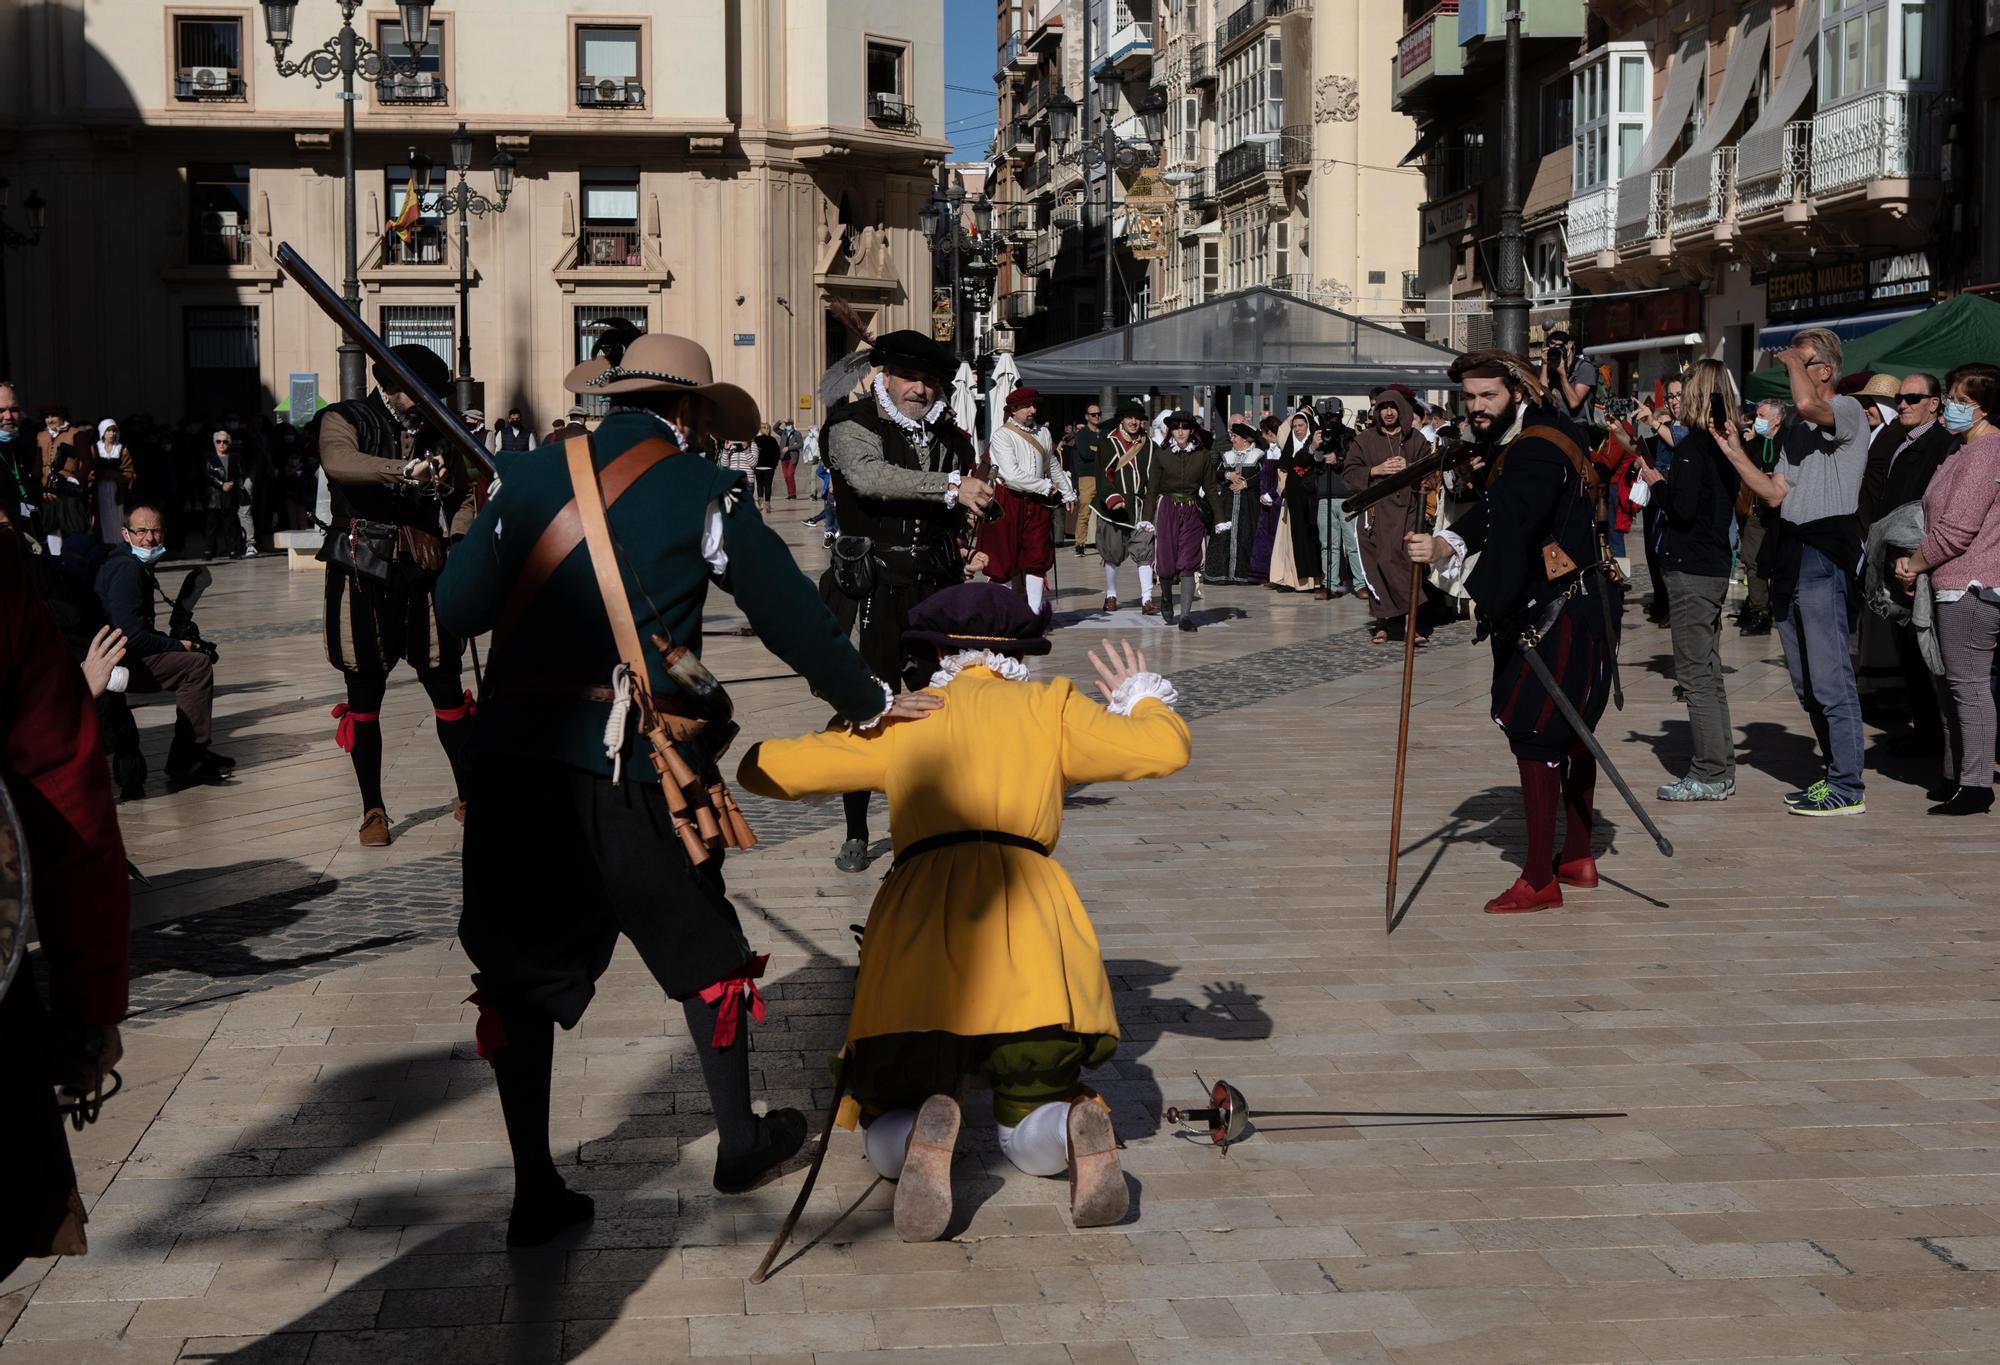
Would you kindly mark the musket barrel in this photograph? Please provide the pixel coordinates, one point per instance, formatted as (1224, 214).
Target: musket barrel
(441, 418)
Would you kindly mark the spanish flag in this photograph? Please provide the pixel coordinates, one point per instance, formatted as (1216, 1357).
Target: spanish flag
(404, 224)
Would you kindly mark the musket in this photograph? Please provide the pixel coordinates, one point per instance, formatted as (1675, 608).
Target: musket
(436, 415)
(1439, 462)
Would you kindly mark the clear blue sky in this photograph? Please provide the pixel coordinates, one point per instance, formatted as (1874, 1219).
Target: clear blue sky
(969, 62)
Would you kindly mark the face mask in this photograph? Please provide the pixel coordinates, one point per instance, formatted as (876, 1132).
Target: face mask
(7, 435)
(1957, 416)
(1641, 494)
(1762, 426)
(147, 554)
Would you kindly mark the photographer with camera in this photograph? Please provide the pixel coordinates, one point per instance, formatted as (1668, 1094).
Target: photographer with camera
(126, 589)
(1570, 378)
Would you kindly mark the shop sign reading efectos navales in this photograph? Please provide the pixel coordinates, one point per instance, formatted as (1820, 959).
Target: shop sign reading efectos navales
(1846, 286)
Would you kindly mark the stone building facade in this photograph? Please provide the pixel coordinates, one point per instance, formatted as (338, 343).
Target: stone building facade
(720, 170)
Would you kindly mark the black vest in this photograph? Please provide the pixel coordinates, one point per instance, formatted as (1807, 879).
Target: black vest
(379, 434)
(898, 522)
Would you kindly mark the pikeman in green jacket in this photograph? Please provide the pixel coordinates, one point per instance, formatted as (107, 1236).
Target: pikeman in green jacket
(595, 803)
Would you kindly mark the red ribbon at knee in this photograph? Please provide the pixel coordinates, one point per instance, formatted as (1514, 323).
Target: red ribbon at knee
(462, 711)
(727, 997)
(489, 1035)
(343, 733)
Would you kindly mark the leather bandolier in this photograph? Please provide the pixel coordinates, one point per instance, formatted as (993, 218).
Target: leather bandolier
(686, 730)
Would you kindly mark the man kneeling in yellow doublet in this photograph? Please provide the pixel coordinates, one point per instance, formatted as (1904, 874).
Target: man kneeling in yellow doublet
(978, 958)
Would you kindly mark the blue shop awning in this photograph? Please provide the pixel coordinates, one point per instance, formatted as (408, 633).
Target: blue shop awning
(1779, 335)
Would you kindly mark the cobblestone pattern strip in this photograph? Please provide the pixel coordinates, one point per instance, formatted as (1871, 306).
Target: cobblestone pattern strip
(290, 936)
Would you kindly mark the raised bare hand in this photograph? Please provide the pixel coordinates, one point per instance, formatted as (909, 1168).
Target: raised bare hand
(1115, 668)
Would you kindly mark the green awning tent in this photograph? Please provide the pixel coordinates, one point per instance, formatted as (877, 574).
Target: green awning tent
(1963, 328)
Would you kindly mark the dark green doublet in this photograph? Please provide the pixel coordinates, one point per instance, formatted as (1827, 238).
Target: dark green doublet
(563, 640)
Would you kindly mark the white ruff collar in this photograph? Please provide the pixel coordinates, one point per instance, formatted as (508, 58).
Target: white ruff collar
(887, 407)
(1001, 665)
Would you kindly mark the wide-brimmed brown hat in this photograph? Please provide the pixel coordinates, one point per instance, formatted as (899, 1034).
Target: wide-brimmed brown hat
(660, 362)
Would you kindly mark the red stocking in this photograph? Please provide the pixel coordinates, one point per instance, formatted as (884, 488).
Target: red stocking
(1579, 783)
(1541, 786)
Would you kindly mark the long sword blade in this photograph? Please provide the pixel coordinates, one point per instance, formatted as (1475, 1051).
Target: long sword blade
(1583, 732)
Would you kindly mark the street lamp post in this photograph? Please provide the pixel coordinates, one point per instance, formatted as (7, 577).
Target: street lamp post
(942, 222)
(463, 200)
(10, 238)
(1510, 302)
(1109, 152)
(346, 55)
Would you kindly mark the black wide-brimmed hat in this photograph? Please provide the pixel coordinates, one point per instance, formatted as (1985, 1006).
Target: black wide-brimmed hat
(980, 616)
(1128, 408)
(427, 365)
(914, 351)
(1181, 417)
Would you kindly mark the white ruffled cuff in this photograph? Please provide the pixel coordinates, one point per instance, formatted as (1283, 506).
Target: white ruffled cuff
(1136, 688)
(951, 489)
(888, 700)
(1448, 572)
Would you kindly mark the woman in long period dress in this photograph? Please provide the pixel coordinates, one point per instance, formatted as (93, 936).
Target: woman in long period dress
(1295, 554)
(1266, 484)
(1235, 535)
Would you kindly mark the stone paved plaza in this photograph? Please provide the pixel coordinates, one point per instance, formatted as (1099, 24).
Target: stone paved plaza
(1798, 1018)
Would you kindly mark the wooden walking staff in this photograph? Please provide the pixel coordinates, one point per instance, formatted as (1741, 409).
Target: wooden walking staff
(1402, 744)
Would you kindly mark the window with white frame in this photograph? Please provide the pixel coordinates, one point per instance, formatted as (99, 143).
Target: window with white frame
(1211, 266)
(1253, 93)
(1870, 46)
(1612, 107)
(1281, 249)
(1190, 131)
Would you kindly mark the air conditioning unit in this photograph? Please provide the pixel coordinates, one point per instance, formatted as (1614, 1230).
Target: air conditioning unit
(209, 79)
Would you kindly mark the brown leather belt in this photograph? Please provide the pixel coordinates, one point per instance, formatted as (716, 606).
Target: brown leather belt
(678, 727)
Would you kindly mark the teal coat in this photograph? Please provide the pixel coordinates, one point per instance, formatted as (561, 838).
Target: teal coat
(565, 638)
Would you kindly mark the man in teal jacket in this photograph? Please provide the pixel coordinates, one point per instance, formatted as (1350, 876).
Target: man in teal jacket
(570, 838)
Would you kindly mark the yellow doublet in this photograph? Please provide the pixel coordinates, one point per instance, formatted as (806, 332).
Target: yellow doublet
(975, 939)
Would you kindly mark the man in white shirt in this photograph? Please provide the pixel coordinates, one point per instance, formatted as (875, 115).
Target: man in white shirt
(1020, 544)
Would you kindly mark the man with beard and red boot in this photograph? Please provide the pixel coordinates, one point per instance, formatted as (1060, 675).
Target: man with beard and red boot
(401, 494)
(1541, 581)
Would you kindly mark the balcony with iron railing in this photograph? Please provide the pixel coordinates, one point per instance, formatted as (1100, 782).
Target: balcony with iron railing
(208, 83)
(1427, 55)
(1245, 161)
(1591, 223)
(1413, 291)
(891, 111)
(219, 244)
(1016, 55)
(407, 87)
(1295, 147)
(1018, 305)
(1299, 286)
(1200, 69)
(1775, 177)
(1018, 138)
(1034, 176)
(626, 92)
(1246, 19)
(607, 248)
(1891, 135)
(1015, 221)
(1041, 252)
(1702, 187)
(426, 245)
(1645, 212)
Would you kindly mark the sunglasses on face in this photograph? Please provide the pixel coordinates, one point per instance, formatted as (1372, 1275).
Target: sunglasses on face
(1910, 400)
(1093, 413)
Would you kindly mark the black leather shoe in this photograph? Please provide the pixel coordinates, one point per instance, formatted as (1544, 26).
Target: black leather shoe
(1943, 791)
(780, 1134)
(1966, 801)
(537, 1218)
(853, 856)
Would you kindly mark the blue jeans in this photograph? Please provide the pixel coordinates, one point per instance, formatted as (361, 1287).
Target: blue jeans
(1815, 636)
(1340, 546)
